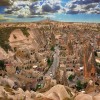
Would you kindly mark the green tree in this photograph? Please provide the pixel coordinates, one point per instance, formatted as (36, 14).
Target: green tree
(49, 61)
(52, 48)
(2, 65)
(71, 77)
(79, 85)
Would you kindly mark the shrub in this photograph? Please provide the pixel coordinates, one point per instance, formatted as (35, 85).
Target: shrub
(49, 62)
(71, 77)
(80, 86)
(2, 65)
(52, 48)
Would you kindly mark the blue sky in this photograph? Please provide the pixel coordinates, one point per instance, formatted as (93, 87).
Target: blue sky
(84, 10)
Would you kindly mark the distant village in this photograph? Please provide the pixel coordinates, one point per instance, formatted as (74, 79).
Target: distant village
(52, 53)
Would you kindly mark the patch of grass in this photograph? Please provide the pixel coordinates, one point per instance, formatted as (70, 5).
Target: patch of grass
(80, 85)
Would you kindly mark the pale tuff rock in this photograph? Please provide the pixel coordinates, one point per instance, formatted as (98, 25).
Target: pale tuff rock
(1, 91)
(3, 54)
(57, 91)
(54, 96)
(97, 97)
(82, 96)
(16, 37)
(6, 81)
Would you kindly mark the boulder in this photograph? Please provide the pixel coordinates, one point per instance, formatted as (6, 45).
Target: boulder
(6, 81)
(82, 96)
(58, 92)
(97, 97)
(33, 94)
(19, 94)
(27, 94)
(54, 96)
(1, 91)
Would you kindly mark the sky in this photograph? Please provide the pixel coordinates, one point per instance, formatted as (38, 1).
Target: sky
(82, 9)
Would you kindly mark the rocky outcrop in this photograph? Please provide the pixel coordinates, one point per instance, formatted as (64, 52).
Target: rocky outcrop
(96, 97)
(7, 93)
(57, 92)
(35, 39)
(49, 83)
(82, 96)
(89, 61)
(6, 82)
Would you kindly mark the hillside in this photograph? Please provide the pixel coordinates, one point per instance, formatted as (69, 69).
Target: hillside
(49, 57)
(5, 34)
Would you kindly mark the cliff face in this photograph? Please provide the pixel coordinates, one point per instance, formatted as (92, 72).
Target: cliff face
(12, 38)
(24, 47)
(5, 34)
(89, 61)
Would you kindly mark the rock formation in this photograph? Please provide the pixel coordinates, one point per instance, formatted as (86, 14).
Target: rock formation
(89, 61)
(82, 96)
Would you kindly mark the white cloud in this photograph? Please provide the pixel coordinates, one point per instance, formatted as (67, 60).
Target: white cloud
(83, 6)
(27, 8)
(52, 6)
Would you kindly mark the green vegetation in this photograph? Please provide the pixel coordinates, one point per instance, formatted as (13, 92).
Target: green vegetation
(49, 62)
(5, 34)
(2, 65)
(71, 77)
(39, 86)
(52, 48)
(80, 85)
